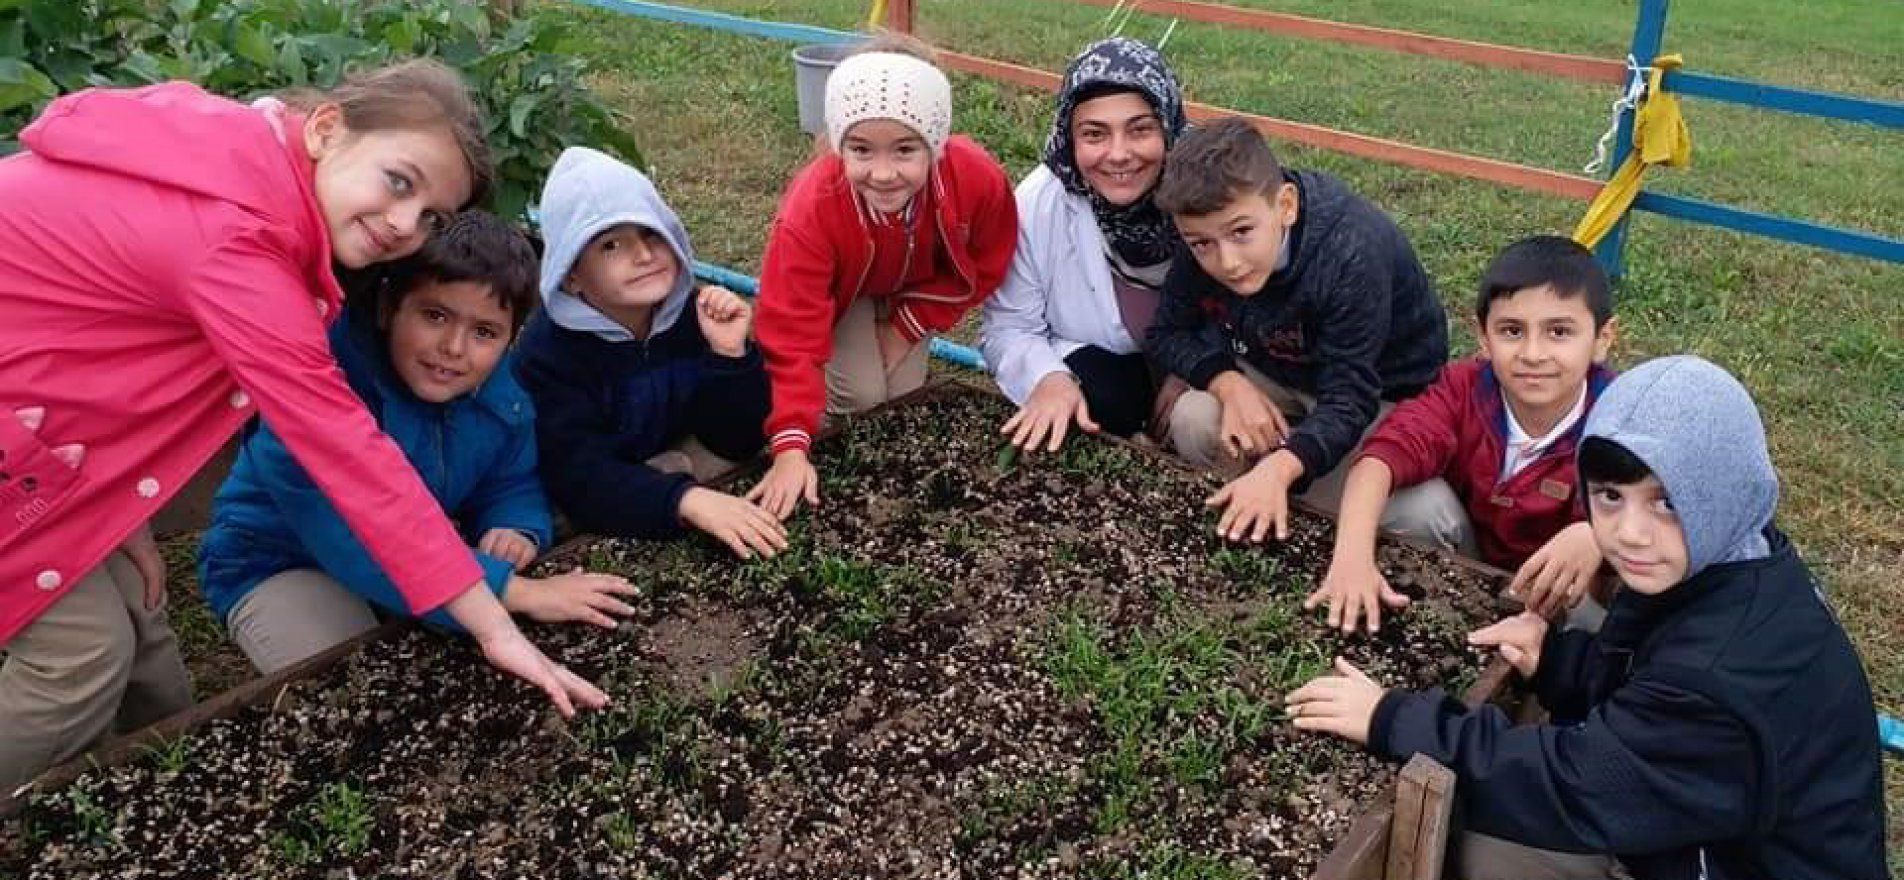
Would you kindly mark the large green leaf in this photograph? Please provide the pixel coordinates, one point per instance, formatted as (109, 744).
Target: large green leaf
(22, 84)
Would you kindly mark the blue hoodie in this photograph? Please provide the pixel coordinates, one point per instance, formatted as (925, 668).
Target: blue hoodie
(606, 401)
(477, 455)
(1723, 728)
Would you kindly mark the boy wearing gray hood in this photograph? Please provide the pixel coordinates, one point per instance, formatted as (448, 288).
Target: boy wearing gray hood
(643, 382)
(1719, 725)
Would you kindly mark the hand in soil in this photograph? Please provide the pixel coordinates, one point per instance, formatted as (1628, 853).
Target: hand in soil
(1048, 414)
(1252, 423)
(574, 597)
(742, 525)
(790, 479)
(1518, 638)
(1341, 704)
(509, 546)
(143, 549)
(724, 319)
(1355, 588)
(1557, 576)
(1258, 500)
(512, 653)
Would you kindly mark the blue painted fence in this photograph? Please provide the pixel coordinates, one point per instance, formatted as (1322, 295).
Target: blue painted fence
(1648, 36)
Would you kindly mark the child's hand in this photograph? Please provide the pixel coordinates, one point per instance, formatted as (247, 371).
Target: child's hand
(1257, 500)
(1054, 403)
(742, 525)
(724, 318)
(1342, 704)
(1354, 587)
(509, 546)
(1252, 424)
(1558, 574)
(790, 479)
(1518, 638)
(575, 597)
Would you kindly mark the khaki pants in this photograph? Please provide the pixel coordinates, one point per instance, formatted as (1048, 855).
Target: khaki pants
(1432, 512)
(94, 662)
(856, 378)
(1490, 858)
(693, 459)
(1196, 430)
(296, 614)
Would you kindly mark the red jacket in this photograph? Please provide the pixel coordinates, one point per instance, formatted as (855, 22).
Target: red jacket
(165, 275)
(1457, 430)
(820, 252)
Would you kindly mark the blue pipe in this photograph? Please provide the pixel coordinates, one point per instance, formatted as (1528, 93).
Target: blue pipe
(745, 285)
(1891, 733)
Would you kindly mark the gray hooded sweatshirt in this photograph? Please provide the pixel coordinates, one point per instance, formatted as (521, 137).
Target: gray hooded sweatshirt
(588, 192)
(1697, 429)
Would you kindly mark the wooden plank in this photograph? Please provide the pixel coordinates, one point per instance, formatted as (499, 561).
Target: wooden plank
(1363, 851)
(900, 16)
(119, 750)
(1437, 815)
(1527, 177)
(1575, 67)
(1404, 832)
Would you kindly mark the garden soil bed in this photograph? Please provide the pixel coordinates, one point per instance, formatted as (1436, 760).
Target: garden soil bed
(968, 665)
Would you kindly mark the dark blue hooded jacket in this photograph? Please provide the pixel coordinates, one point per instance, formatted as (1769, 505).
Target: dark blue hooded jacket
(1723, 728)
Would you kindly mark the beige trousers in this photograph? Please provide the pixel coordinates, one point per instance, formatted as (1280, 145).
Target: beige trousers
(693, 459)
(1196, 430)
(96, 662)
(856, 378)
(294, 615)
(1490, 858)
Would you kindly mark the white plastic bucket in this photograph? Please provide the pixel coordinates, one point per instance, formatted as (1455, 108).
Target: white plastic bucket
(811, 66)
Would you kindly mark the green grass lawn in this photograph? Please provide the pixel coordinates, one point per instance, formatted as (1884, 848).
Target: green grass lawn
(1819, 338)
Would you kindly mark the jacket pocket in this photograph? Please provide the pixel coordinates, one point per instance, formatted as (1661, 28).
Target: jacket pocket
(34, 482)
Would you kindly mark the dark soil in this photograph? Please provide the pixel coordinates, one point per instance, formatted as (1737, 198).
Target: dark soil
(966, 667)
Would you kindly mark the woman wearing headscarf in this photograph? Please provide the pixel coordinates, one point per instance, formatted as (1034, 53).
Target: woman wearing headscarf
(1063, 335)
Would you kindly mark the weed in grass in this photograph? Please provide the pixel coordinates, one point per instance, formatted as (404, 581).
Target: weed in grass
(1165, 862)
(621, 831)
(1249, 566)
(96, 824)
(170, 755)
(337, 821)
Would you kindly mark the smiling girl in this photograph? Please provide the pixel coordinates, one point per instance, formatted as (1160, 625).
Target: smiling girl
(167, 267)
(890, 237)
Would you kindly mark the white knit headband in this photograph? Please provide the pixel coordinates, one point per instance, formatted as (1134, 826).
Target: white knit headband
(889, 85)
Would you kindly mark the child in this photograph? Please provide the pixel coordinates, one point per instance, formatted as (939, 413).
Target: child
(279, 566)
(892, 236)
(631, 366)
(1304, 306)
(1718, 725)
(1482, 462)
(166, 273)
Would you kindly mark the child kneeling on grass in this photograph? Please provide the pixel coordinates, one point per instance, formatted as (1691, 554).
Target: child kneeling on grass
(1302, 317)
(1482, 461)
(1718, 725)
(644, 381)
(284, 570)
(890, 237)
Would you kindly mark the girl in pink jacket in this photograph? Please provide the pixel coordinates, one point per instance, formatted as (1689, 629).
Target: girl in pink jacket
(166, 273)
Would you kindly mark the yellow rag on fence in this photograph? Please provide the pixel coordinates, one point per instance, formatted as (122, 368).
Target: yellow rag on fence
(1660, 137)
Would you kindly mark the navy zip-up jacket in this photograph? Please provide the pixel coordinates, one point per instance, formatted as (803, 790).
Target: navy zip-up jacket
(1352, 319)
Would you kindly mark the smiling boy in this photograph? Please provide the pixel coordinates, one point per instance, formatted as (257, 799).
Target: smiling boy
(1482, 462)
(1719, 725)
(1303, 315)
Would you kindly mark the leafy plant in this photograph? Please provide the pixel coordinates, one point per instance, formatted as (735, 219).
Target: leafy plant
(336, 821)
(531, 88)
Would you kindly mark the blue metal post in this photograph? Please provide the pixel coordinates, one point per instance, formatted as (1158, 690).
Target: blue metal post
(1648, 34)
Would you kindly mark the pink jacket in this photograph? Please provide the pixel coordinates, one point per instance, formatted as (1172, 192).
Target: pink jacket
(165, 273)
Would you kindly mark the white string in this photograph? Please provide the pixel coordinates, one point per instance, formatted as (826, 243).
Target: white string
(1628, 100)
(1167, 32)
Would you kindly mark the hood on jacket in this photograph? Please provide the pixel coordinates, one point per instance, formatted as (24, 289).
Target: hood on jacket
(180, 136)
(587, 193)
(1695, 427)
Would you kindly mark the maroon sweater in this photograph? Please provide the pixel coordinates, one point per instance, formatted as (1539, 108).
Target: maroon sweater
(1457, 430)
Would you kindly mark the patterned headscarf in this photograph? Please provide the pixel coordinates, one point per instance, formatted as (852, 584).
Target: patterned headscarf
(1139, 233)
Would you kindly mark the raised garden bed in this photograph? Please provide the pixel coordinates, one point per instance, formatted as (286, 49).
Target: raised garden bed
(969, 665)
